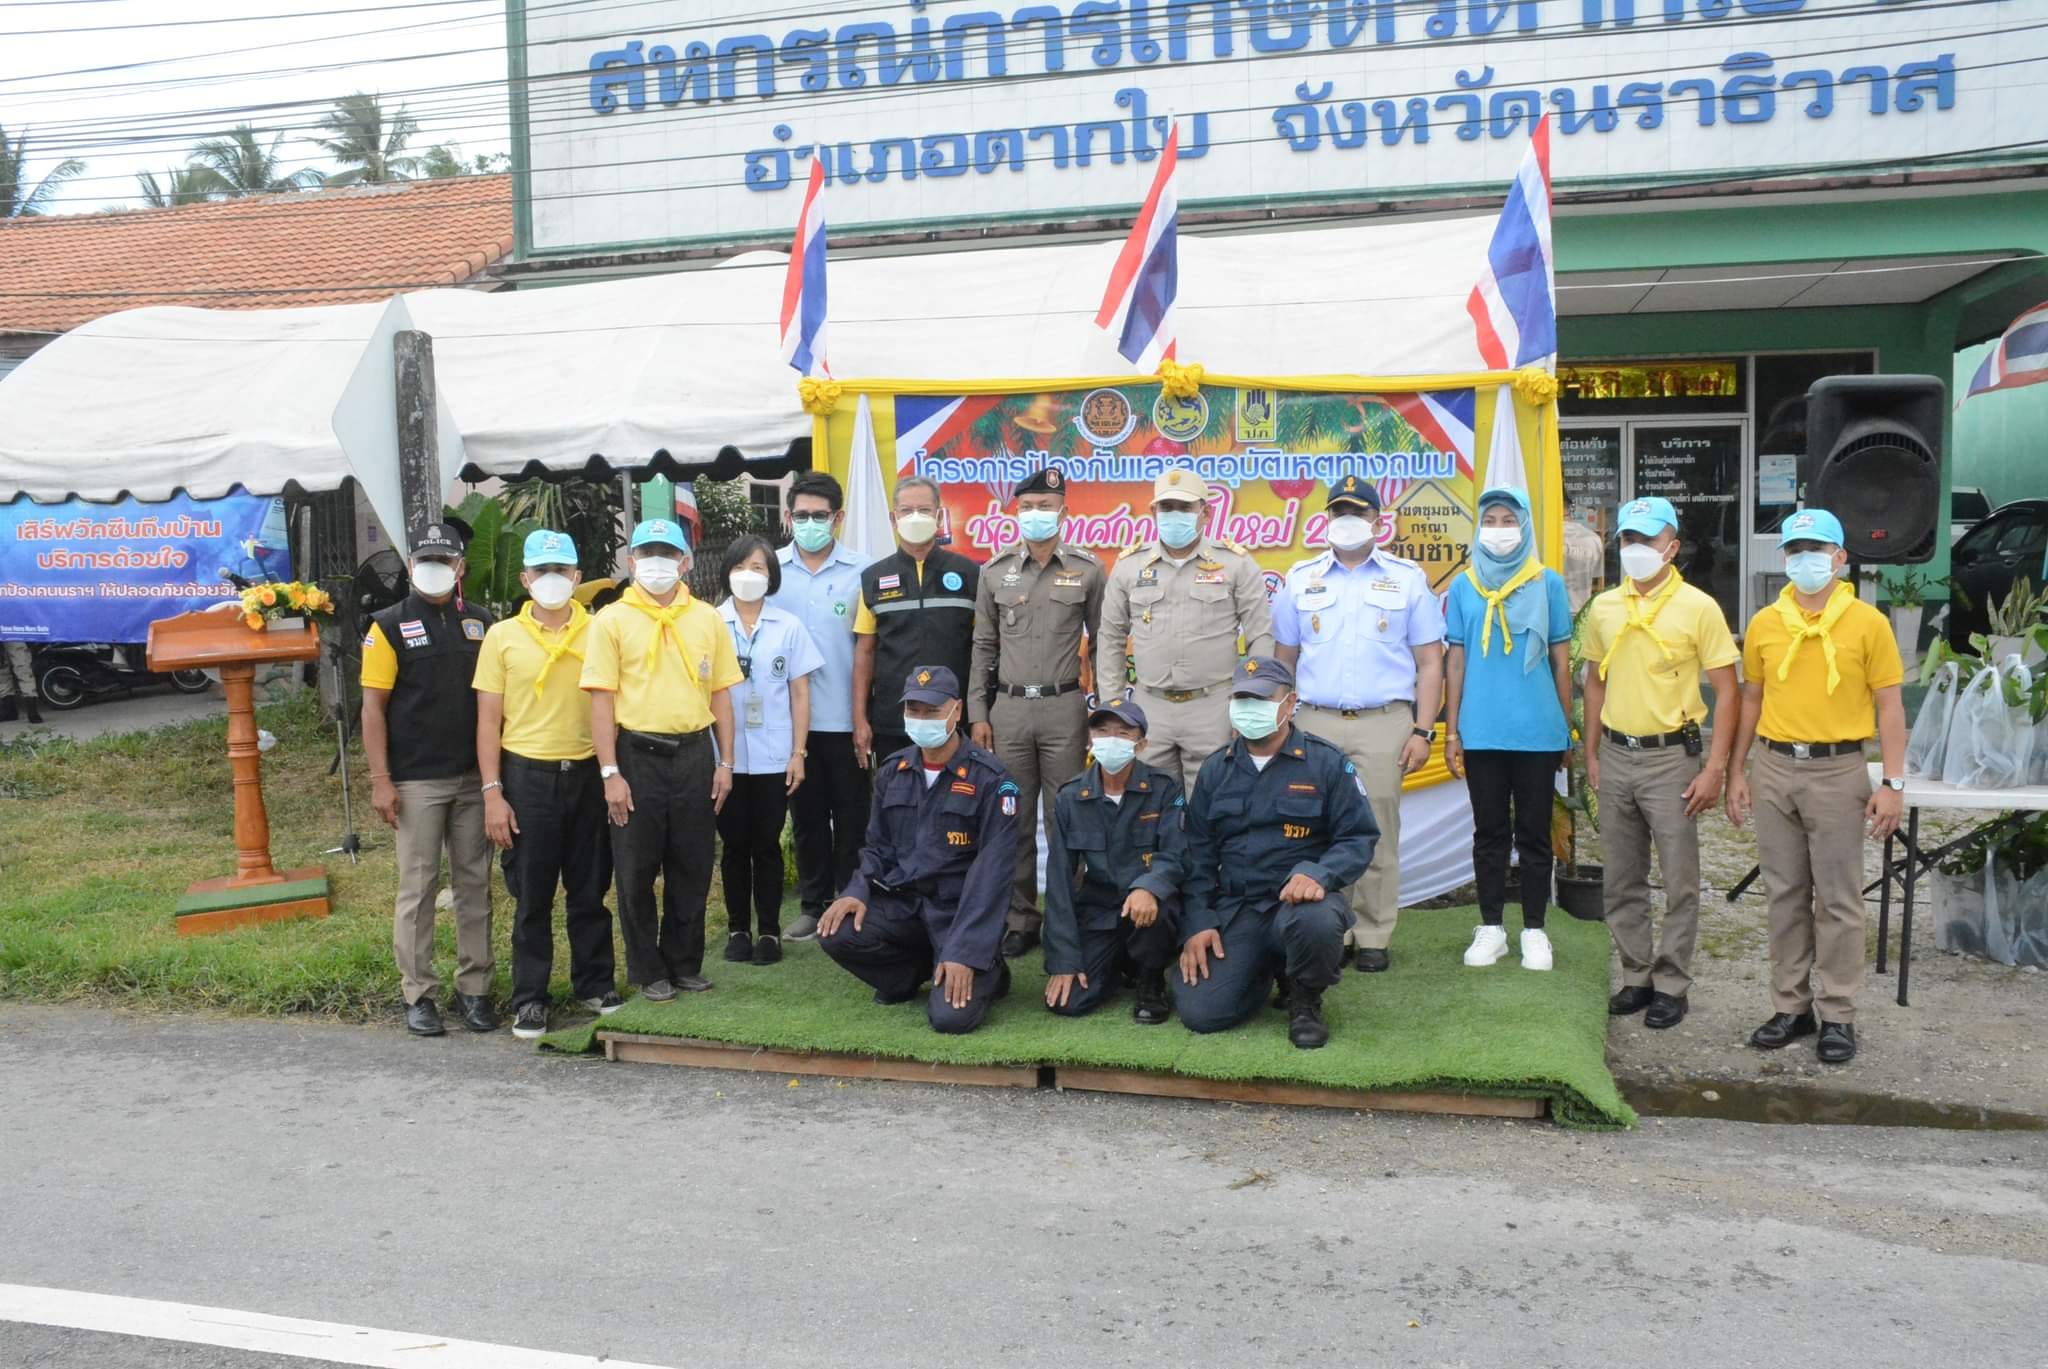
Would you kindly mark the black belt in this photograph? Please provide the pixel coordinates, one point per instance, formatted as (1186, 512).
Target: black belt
(923, 888)
(1038, 691)
(1643, 743)
(519, 762)
(664, 743)
(1813, 751)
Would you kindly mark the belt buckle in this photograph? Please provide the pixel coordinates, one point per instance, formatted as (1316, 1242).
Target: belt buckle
(1801, 751)
(1179, 696)
(1632, 743)
(1355, 712)
(1031, 691)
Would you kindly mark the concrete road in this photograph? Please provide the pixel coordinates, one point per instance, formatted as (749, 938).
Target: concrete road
(467, 1188)
(144, 711)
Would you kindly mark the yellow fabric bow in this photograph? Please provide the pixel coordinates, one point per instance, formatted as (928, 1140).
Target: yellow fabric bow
(1497, 602)
(1642, 616)
(665, 620)
(819, 397)
(1178, 381)
(1798, 629)
(1535, 386)
(579, 619)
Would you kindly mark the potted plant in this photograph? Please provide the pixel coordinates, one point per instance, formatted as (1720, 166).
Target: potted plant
(2015, 623)
(283, 605)
(1581, 889)
(1906, 596)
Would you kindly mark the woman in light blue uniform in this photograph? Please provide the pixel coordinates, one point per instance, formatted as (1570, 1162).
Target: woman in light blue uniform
(771, 711)
(1508, 626)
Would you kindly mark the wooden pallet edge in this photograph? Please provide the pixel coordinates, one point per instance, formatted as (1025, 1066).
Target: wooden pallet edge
(1099, 1080)
(633, 1048)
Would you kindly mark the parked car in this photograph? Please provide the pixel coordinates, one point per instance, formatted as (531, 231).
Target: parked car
(1967, 507)
(2010, 543)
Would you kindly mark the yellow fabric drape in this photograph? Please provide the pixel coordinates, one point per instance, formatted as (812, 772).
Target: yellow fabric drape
(1642, 616)
(579, 620)
(1798, 629)
(1497, 603)
(665, 620)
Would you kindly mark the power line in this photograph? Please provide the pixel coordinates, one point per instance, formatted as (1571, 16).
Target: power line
(237, 19)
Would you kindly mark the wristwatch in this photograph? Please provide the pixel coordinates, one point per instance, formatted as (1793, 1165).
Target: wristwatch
(605, 772)
(1897, 786)
(1426, 733)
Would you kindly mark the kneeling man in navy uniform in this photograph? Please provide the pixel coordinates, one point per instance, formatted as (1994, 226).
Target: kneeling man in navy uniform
(932, 889)
(1278, 826)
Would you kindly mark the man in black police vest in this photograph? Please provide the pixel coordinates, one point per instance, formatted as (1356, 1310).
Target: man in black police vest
(916, 609)
(419, 736)
(928, 898)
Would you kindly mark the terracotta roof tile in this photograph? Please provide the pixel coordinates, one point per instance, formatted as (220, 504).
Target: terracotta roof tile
(260, 252)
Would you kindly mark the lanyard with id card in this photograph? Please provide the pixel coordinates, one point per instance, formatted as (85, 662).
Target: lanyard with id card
(755, 715)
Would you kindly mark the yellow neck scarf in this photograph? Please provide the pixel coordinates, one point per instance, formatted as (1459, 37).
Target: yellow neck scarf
(558, 647)
(1798, 629)
(665, 620)
(1642, 616)
(1497, 603)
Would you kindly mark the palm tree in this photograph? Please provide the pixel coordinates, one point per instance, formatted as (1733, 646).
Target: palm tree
(245, 166)
(368, 142)
(17, 201)
(189, 184)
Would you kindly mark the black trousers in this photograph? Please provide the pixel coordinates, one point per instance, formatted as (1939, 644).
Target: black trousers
(1527, 780)
(1108, 951)
(561, 841)
(669, 833)
(886, 744)
(750, 860)
(829, 812)
(891, 951)
(1304, 941)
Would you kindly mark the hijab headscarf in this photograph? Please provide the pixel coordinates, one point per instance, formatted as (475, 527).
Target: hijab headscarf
(1528, 608)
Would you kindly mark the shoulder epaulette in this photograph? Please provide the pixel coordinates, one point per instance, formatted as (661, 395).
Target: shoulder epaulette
(1083, 552)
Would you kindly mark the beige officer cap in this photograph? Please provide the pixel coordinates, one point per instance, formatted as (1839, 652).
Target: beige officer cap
(1179, 483)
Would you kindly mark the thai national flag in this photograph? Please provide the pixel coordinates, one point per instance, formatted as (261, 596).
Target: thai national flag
(1145, 279)
(2019, 358)
(803, 288)
(1514, 306)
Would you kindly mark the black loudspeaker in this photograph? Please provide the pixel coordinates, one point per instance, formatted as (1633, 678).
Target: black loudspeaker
(1873, 459)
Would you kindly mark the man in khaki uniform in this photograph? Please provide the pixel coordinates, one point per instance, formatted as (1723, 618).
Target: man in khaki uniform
(1024, 699)
(1176, 610)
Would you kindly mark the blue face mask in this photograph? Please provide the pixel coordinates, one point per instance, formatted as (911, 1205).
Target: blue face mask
(1810, 571)
(1113, 753)
(1039, 525)
(1179, 529)
(929, 733)
(814, 536)
(1255, 719)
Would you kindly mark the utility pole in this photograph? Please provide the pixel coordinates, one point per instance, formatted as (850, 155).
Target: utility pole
(419, 455)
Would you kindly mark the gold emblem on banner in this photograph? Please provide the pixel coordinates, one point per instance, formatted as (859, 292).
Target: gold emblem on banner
(1258, 415)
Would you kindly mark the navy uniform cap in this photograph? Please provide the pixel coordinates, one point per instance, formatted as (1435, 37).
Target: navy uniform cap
(931, 684)
(1262, 677)
(1044, 480)
(1124, 710)
(1353, 490)
(437, 539)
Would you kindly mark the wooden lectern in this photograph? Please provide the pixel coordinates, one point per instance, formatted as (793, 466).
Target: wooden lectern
(256, 892)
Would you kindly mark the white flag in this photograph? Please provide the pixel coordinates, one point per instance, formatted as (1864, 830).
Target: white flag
(867, 531)
(1504, 455)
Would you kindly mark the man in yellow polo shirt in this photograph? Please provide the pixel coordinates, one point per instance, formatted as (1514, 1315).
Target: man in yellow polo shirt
(543, 800)
(1646, 643)
(1820, 668)
(659, 669)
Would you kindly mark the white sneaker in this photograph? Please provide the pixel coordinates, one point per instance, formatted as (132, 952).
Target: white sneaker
(1535, 950)
(1488, 945)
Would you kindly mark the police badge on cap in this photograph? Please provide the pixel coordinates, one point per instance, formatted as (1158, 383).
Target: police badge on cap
(1045, 480)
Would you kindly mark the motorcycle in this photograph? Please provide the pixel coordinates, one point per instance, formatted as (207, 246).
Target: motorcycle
(72, 674)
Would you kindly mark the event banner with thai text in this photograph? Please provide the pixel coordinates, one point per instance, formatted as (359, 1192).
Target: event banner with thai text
(1268, 455)
(79, 572)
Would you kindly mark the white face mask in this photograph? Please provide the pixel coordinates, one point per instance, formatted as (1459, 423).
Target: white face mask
(656, 574)
(1641, 561)
(747, 585)
(1500, 541)
(917, 528)
(433, 578)
(1350, 532)
(551, 590)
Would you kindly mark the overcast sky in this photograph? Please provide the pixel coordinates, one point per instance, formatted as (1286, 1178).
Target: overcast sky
(181, 81)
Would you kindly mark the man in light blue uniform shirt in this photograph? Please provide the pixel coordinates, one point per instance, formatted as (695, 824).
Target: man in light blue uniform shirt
(1364, 633)
(821, 587)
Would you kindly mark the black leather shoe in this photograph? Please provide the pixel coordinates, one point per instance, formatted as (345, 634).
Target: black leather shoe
(477, 1013)
(1016, 943)
(424, 1019)
(1373, 959)
(1666, 1010)
(1837, 1043)
(1154, 1006)
(1632, 999)
(1782, 1030)
(883, 1000)
(1350, 954)
(33, 711)
(691, 983)
(739, 948)
(1305, 1019)
(767, 950)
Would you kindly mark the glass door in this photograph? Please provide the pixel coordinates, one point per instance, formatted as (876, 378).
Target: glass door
(1697, 465)
(1592, 458)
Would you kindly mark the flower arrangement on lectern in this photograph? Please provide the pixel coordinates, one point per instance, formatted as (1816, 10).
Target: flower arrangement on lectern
(272, 603)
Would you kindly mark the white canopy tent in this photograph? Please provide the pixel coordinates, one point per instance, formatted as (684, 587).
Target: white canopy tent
(604, 376)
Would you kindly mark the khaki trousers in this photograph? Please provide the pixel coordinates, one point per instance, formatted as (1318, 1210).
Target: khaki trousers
(1182, 736)
(1642, 804)
(434, 815)
(1809, 843)
(1372, 741)
(1042, 743)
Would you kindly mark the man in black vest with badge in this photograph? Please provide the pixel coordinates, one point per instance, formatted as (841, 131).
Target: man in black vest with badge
(916, 609)
(419, 736)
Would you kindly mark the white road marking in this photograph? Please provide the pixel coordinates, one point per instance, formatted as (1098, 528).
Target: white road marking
(257, 1331)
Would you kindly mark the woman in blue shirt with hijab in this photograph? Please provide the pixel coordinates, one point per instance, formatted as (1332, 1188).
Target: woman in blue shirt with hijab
(1508, 627)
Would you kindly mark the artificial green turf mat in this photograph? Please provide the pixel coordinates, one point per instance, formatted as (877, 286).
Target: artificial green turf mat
(1427, 1024)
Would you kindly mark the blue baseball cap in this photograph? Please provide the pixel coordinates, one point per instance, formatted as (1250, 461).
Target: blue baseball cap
(1505, 494)
(1647, 516)
(1262, 677)
(1811, 525)
(545, 547)
(1124, 710)
(659, 532)
(931, 684)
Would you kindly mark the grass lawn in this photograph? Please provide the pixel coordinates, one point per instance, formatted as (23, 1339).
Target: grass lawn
(98, 841)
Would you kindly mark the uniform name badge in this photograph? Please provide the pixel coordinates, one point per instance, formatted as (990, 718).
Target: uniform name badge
(756, 716)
